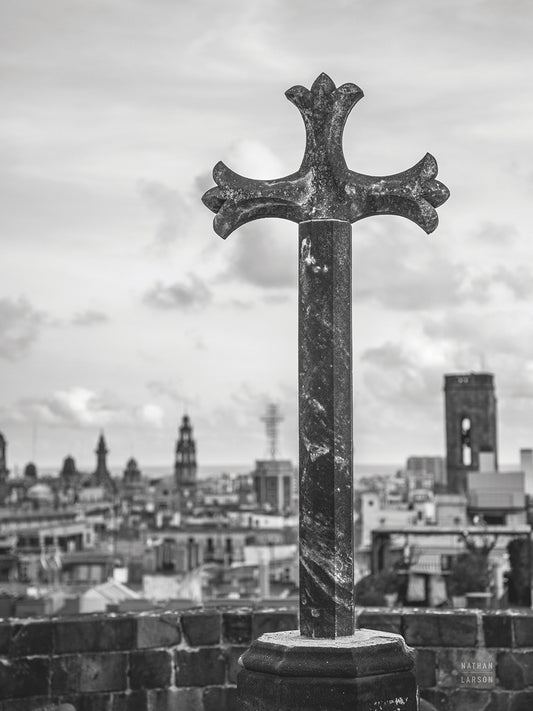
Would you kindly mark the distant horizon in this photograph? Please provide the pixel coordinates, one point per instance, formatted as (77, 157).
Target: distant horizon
(207, 470)
(204, 470)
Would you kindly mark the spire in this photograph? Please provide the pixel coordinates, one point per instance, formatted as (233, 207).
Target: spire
(185, 466)
(4, 471)
(101, 449)
(101, 475)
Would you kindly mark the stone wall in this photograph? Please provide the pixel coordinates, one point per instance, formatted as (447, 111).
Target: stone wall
(448, 639)
(187, 661)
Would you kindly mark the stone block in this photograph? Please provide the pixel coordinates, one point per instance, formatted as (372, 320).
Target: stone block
(521, 701)
(158, 630)
(200, 667)
(150, 669)
(129, 701)
(471, 700)
(380, 621)
(5, 638)
(87, 673)
(456, 667)
(21, 677)
(202, 628)
(498, 630)
(34, 703)
(175, 700)
(237, 626)
(425, 664)
(214, 698)
(440, 629)
(232, 699)
(272, 621)
(31, 638)
(232, 660)
(515, 669)
(523, 630)
(94, 634)
(438, 698)
(91, 702)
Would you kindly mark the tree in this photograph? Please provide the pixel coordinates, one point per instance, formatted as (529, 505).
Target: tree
(371, 590)
(469, 573)
(519, 585)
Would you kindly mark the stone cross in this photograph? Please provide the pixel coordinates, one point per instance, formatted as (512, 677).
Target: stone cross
(324, 197)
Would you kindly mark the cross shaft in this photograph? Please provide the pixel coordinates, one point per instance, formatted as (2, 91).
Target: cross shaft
(325, 197)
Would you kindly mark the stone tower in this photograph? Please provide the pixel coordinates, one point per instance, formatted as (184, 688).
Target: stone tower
(101, 475)
(4, 471)
(470, 410)
(185, 463)
(132, 473)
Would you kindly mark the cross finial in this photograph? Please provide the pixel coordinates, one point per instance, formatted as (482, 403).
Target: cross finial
(324, 187)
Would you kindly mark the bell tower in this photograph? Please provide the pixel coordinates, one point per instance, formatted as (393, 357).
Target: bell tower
(185, 467)
(4, 471)
(101, 475)
(470, 409)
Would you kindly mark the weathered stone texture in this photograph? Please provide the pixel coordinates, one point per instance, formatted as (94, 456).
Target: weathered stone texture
(498, 630)
(202, 628)
(237, 627)
(150, 669)
(93, 672)
(158, 630)
(515, 669)
(200, 667)
(111, 680)
(446, 629)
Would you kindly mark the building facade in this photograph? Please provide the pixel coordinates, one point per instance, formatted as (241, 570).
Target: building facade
(273, 484)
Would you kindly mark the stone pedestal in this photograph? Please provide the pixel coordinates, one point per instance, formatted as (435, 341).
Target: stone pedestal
(367, 671)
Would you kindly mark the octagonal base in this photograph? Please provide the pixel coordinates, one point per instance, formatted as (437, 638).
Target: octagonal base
(367, 671)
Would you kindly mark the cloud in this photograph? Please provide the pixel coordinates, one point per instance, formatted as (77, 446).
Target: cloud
(517, 282)
(186, 295)
(159, 388)
(153, 415)
(497, 234)
(81, 407)
(502, 331)
(89, 318)
(402, 271)
(172, 207)
(77, 406)
(397, 375)
(20, 324)
(265, 255)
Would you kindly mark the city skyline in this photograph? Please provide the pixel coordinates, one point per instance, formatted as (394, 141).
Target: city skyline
(119, 307)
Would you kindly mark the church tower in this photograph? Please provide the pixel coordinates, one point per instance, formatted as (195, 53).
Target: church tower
(185, 463)
(132, 473)
(470, 408)
(101, 475)
(4, 471)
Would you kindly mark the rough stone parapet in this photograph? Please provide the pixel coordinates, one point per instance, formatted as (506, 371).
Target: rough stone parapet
(158, 661)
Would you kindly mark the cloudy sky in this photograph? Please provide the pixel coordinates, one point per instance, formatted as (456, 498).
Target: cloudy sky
(120, 307)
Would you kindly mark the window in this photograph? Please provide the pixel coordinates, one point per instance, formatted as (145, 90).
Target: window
(466, 442)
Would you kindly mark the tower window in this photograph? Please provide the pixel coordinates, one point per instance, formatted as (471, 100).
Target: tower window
(466, 442)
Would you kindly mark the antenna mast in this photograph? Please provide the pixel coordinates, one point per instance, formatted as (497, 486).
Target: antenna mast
(271, 419)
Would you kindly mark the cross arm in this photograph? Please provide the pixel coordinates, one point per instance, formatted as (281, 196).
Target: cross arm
(237, 200)
(323, 188)
(414, 194)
